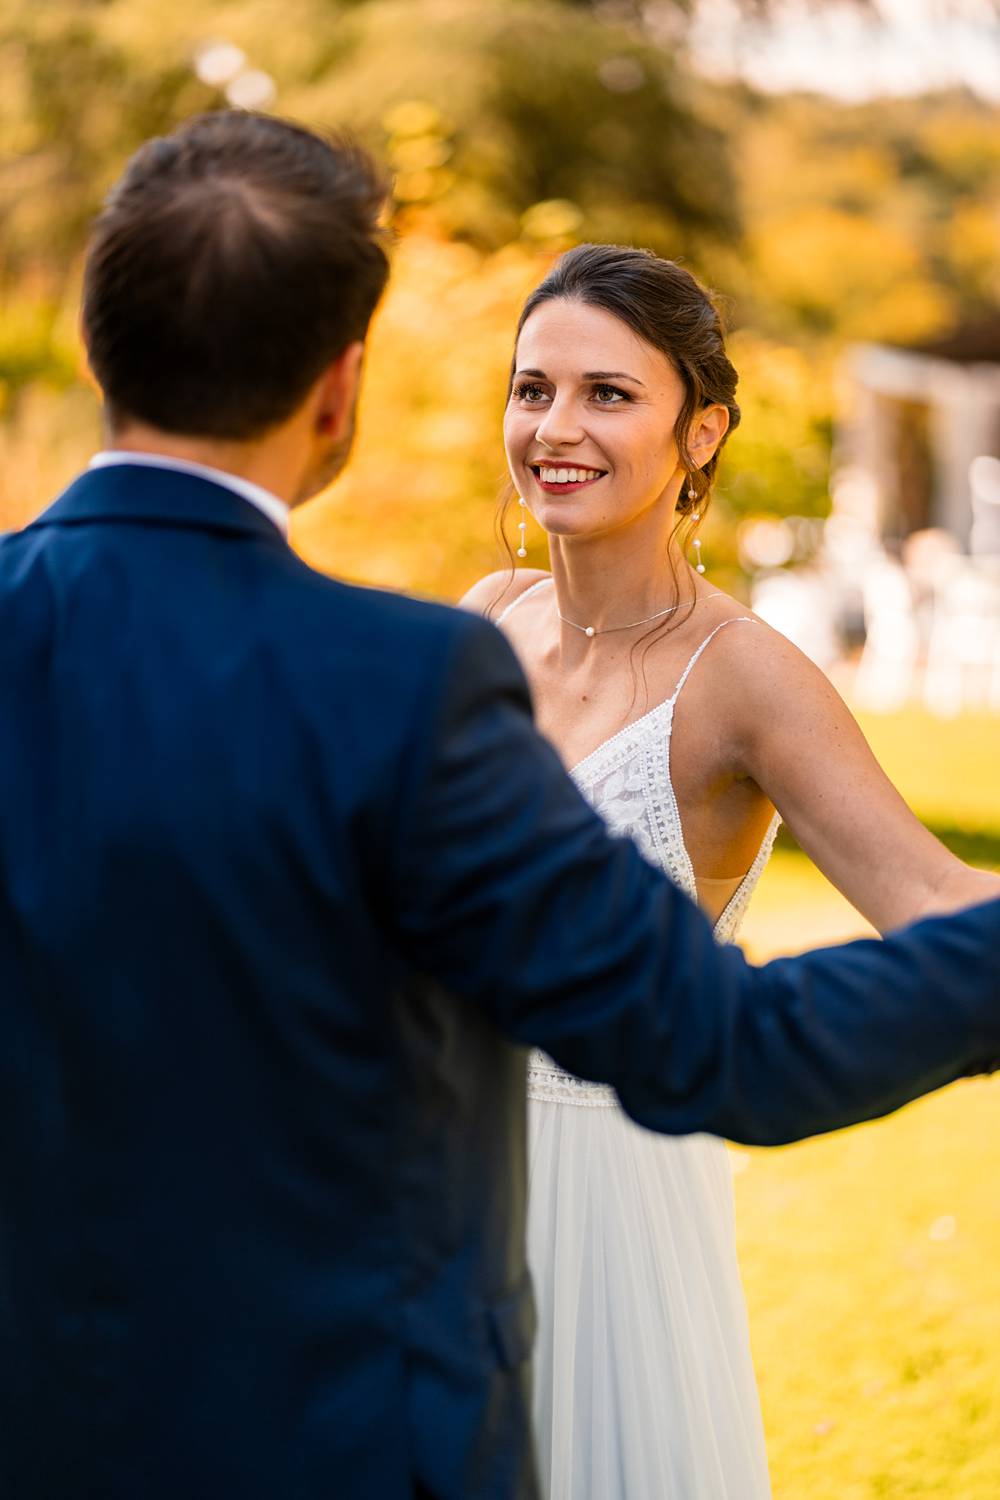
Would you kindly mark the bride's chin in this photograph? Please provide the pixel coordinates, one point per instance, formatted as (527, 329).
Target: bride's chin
(560, 520)
(567, 530)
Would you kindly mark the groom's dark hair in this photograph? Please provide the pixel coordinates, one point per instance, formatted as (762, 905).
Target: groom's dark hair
(232, 262)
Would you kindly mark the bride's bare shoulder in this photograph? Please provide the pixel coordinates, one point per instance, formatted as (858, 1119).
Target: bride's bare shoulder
(763, 680)
(497, 590)
(753, 652)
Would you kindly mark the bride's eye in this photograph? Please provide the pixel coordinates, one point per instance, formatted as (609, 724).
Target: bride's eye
(529, 391)
(609, 395)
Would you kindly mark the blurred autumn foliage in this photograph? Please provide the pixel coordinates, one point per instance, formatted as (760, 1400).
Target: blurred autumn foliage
(514, 128)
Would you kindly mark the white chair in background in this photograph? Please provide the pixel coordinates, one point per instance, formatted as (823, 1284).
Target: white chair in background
(963, 655)
(888, 666)
(800, 606)
(984, 482)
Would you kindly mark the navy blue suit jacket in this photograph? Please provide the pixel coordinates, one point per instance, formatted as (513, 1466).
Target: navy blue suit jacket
(288, 882)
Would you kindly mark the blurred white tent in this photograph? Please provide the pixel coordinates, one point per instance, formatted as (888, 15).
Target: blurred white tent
(888, 667)
(984, 482)
(963, 651)
(919, 472)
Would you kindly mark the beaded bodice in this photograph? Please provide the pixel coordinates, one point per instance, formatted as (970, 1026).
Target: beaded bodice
(627, 780)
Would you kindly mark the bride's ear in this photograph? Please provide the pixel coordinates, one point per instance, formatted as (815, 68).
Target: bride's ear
(707, 431)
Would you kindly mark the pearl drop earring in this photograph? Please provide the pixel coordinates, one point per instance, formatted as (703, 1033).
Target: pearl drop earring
(696, 516)
(522, 527)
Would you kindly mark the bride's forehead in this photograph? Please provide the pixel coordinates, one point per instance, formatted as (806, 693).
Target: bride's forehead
(584, 336)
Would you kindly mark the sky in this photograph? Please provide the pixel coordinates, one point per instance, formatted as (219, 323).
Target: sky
(910, 46)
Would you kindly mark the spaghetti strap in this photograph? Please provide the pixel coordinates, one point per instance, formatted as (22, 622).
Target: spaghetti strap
(520, 599)
(736, 620)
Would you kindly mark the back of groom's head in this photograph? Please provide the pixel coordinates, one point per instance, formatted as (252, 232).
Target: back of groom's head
(233, 261)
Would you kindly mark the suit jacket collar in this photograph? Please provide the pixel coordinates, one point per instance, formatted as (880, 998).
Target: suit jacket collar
(157, 497)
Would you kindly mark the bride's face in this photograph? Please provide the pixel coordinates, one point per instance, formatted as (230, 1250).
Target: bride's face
(589, 426)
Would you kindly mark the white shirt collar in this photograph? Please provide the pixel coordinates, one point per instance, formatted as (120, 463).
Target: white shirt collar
(276, 510)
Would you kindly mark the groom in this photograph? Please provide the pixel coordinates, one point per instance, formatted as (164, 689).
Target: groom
(287, 883)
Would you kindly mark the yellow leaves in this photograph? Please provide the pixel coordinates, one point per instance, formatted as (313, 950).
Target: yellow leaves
(778, 458)
(779, 373)
(422, 185)
(418, 153)
(553, 219)
(909, 311)
(415, 508)
(965, 143)
(413, 117)
(34, 342)
(789, 168)
(849, 272)
(418, 147)
(972, 244)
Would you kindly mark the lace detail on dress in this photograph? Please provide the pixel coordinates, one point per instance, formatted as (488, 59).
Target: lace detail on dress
(546, 1080)
(627, 780)
(731, 919)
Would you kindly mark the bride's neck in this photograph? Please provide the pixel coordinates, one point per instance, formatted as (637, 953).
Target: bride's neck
(609, 580)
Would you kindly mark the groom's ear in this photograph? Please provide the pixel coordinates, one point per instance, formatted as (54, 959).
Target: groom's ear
(336, 392)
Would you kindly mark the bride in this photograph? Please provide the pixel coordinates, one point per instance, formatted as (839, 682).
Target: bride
(686, 722)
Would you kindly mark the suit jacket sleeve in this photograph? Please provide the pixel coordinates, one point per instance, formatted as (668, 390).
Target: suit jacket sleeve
(508, 890)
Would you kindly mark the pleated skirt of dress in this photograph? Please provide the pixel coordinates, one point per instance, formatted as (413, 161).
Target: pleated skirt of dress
(644, 1386)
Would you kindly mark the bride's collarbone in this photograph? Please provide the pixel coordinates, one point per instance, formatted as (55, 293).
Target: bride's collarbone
(584, 696)
(612, 678)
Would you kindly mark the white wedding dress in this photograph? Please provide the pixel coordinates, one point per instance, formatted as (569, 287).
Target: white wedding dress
(644, 1382)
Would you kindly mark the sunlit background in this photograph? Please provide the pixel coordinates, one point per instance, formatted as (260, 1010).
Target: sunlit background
(833, 170)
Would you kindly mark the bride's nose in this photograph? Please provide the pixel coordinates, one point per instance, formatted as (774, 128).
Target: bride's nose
(559, 426)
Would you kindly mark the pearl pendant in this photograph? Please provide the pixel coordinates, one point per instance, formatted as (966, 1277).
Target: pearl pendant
(522, 551)
(589, 630)
(700, 568)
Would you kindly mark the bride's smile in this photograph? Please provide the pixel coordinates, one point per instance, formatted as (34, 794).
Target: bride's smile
(560, 479)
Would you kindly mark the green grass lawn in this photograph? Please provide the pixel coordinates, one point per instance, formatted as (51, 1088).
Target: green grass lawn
(947, 769)
(871, 1259)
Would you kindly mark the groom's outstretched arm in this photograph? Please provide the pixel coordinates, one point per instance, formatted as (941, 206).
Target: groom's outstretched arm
(508, 890)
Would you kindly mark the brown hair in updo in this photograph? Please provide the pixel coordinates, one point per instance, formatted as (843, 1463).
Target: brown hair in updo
(668, 308)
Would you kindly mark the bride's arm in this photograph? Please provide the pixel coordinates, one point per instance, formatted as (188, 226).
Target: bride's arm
(794, 736)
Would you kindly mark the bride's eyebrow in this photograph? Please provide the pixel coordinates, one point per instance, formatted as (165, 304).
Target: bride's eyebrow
(587, 375)
(611, 375)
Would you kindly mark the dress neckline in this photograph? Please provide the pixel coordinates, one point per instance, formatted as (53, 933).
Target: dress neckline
(620, 734)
